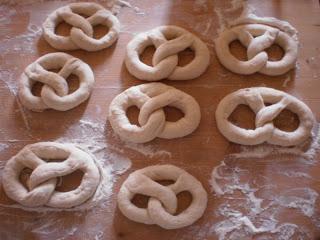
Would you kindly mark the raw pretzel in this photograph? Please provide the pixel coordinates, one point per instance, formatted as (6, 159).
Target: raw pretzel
(265, 131)
(54, 93)
(42, 182)
(165, 58)
(150, 98)
(257, 38)
(81, 34)
(163, 201)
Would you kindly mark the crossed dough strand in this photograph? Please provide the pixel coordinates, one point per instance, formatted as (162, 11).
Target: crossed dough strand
(150, 98)
(42, 182)
(265, 131)
(165, 58)
(256, 38)
(163, 201)
(81, 34)
(54, 93)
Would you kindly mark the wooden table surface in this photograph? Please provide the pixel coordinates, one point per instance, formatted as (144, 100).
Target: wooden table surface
(274, 197)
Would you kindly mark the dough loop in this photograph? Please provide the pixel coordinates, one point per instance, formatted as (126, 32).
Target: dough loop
(81, 34)
(163, 201)
(150, 98)
(54, 93)
(257, 38)
(43, 179)
(165, 58)
(265, 131)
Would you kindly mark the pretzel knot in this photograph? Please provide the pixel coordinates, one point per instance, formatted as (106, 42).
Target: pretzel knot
(81, 34)
(54, 93)
(150, 99)
(42, 182)
(257, 38)
(165, 58)
(265, 131)
(163, 201)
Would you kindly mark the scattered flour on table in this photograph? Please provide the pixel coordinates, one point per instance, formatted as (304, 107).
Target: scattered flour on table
(255, 213)
(8, 77)
(87, 133)
(3, 146)
(112, 160)
(146, 150)
(14, 46)
(137, 10)
(249, 206)
(226, 15)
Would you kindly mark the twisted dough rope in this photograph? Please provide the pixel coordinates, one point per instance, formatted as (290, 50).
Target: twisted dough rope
(54, 93)
(163, 201)
(265, 131)
(81, 34)
(256, 38)
(150, 98)
(42, 182)
(165, 58)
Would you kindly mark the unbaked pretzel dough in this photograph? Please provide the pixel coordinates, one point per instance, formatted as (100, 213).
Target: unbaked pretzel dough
(265, 131)
(42, 182)
(54, 93)
(165, 58)
(81, 34)
(257, 37)
(150, 98)
(163, 201)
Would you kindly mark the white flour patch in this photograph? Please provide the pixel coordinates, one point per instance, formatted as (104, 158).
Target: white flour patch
(146, 150)
(22, 44)
(122, 3)
(3, 146)
(295, 174)
(254, 203)
(7, 14)
(13, 47)
(99, 236)
(126, 27)
(236, 9)
(9, 79)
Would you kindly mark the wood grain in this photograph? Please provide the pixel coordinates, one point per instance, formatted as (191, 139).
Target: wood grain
(197, 153)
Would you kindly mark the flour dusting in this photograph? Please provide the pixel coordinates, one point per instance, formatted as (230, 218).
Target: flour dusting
(90, 136)
(226, 15)
(252, 204)
(87, 134)
(146, 150)
(3, 146)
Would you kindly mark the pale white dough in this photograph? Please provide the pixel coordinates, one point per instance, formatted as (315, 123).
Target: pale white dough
(163, 202)
(256, 38)
(269, 21)
(150, 98)
(54, 93)
(42, 183)
(265, 131)
(165, 58)
(81, 34)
